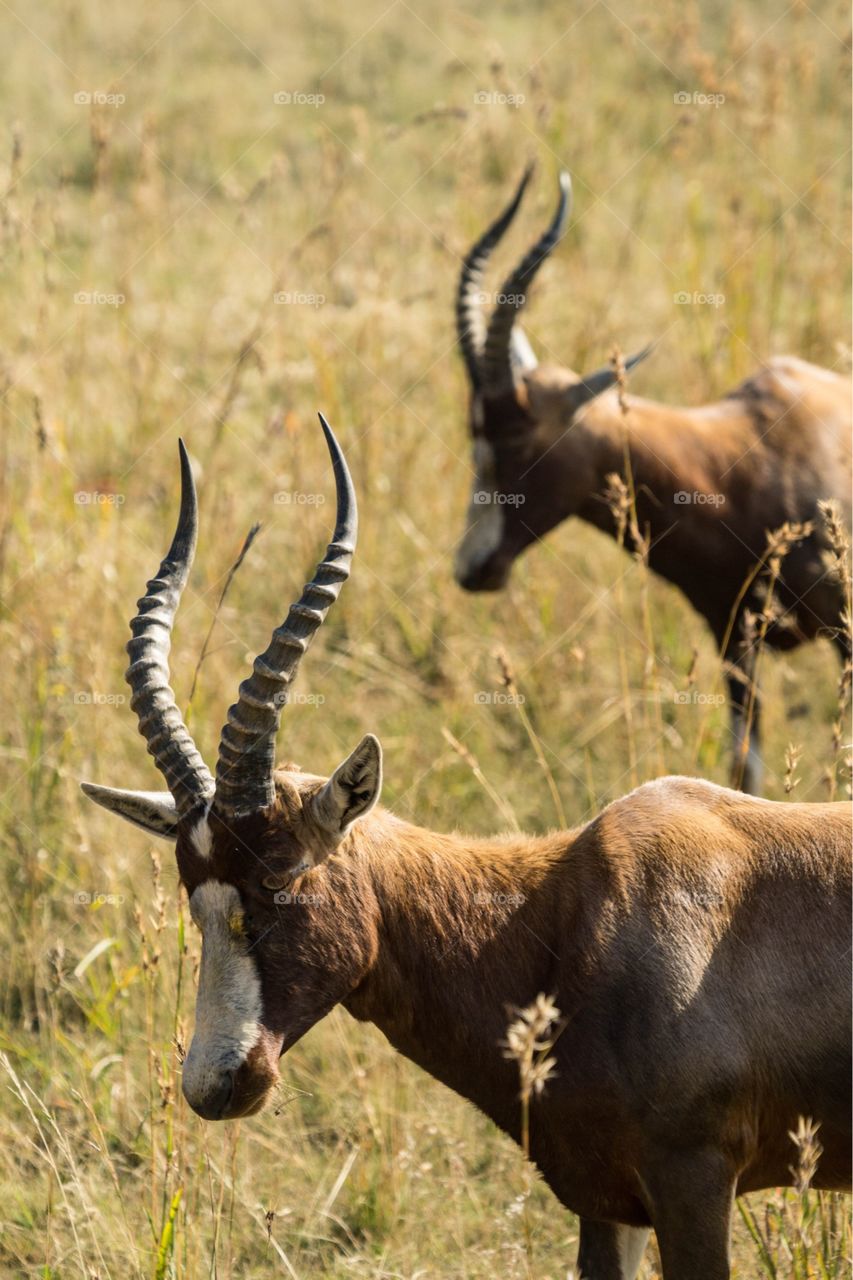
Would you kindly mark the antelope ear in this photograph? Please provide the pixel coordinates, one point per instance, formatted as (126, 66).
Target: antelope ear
(352, 790)
(580, 393)
(154, 811)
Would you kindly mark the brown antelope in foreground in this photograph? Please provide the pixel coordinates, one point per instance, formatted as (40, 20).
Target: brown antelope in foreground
(710, 482)
(695, 940)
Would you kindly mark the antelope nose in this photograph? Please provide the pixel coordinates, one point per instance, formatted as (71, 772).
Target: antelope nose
(214, 1102)
(482, 577)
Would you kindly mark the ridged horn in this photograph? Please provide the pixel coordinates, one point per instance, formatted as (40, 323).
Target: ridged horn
(160, 722)
(244, 769)
(497, 362)
(470, 325)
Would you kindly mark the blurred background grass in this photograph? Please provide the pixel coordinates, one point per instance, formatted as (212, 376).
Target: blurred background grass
(148, 166)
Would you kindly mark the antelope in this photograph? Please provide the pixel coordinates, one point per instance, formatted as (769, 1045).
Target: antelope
(709, 482)
(694, 939)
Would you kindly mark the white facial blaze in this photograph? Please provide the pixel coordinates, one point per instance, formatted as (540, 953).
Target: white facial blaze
(228, 1004)
(202, 838)
(485, 520)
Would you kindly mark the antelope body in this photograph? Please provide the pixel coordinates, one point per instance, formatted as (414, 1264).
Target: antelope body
(695, 940)
(710, 482)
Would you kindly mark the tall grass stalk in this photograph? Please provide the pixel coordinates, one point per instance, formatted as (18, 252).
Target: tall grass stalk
(779, 543)
(529, 1040)
(801, 1234)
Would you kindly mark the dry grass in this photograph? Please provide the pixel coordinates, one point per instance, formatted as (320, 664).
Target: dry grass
(196, 199)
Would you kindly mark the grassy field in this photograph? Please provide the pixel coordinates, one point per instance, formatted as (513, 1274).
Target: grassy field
(168, 172)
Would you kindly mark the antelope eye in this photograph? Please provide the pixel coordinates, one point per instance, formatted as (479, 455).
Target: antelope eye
(275, 882)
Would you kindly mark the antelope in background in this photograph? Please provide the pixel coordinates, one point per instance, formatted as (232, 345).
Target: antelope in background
(695, 941)
(710, 483)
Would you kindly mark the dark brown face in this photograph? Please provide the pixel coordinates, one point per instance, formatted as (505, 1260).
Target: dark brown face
(516, 497)
(272, 961)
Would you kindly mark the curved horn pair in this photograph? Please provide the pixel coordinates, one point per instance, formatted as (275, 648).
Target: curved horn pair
(244, 771)
(490, 352)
